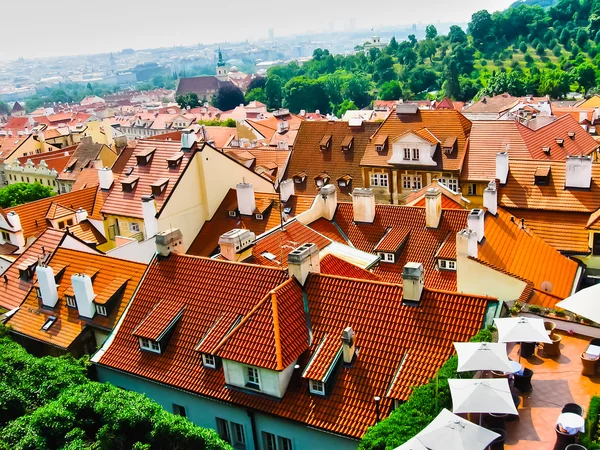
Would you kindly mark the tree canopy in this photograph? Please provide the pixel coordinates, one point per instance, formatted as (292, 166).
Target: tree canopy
(19, 193)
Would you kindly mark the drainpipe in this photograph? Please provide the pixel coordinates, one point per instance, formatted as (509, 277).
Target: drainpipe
(254, 431)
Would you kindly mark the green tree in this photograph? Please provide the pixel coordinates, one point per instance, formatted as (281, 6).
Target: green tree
(523, 47)
(557, 51)
(390, 91)
(582, 37)
(190, 99)
(304, 93)
(273, 91)
(228, 97)
(19, 193)
(481, 26)
(383, 69)
(427, 49)
(430, 32)
(585, 75)
(393, 44)
(256, 94)
(357, 90)
(540, 49)
(564, 37)
(343, 107)
(555, 83)
(456, 35)
(451, 84)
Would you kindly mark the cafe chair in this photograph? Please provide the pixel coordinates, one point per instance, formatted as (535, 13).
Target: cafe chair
(589, 365)
(523, 382)
(554, 348)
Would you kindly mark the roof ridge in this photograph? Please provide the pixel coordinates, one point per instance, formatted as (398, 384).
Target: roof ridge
(275, 310)
(225, 261)
(382, 283)
(548, 293)
(460, 294)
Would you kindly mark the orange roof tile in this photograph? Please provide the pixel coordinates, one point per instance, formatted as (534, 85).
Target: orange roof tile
(328, 229)
(82, 158)
(69, 325)
(13, 289)
(392, 240)
(442, 124)
(159, 320)
(307, 156)
(57, 211)
(332, 265)
(87, 232)
(448, 248)
(56, 159)
(9, 144)
(373, 309)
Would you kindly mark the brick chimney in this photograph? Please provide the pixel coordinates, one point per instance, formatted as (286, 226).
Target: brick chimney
(304, 260)
(84, 294)
(476, 222)
(286, 189)
(245, 198)
(433, 207)
(490, 197)
(236, 245)
(348, 345)
(363, 205)
(47, 285)
(413, 281)
(578, 172)
(106, 178)
(168, 241)
(502, 167)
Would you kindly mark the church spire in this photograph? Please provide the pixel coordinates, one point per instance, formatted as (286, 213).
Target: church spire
(220, 63)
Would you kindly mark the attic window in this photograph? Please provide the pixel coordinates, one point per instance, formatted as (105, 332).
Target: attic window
(269, 256)
(71, 166)
(49, 322)
(448, 145)
(287, 210)
(209, 361)
(542, 176)
(150, 345)
(232, 213)
(145, 156)
(347, 143)
(322, 179)
(128, 171)
(325, 142)
(381, 143)
(259, 216)
(560, 141)
(546, 150)
(300, 177)
(447, 264)
(344, 181)
(71, 302)
(387, 257)
(316, 387)
(128, 184)
(159, 186)
(174, 160)
(571, 134)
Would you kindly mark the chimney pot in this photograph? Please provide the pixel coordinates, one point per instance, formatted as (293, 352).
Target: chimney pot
(286, 189)
(47, 285)
(433, 207)
(168, 241)
(149, 214)
(106, 178)
(348, 345)
(236, 244)
(475, 222)
(302, 261)
(245, 198)
(328, 198)
(363, 205)
(413, 281)
(81, 215)
(84, 294)
(490, 197)
(466, 243)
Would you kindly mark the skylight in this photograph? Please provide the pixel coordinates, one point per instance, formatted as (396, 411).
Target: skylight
(49, 322)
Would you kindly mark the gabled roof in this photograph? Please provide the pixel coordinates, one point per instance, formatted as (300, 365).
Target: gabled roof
(333, 265)
(207, 240)
(442, 124)
(57, 211)
(8, 145)
(69, 325)
(129, 204)
(202, 86)
(159, 320)
(87, 232)
(56, 159)
(307, 157)
(496, 104)
(83, 157)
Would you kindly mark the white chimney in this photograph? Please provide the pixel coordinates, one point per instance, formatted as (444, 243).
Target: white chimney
(236, 245)
(583, 115)
(97, 164)
(328, 198)
(413, 281)
(502, 167)
(490, 198)
(245, 198)
(304, 260)
(47, 285)
(475, 222)
(348, 345)
(579, 172)
(286, 189)
(84, 294)
(433, 207)
(466, 243)
(168, 241)
(363, 205)
(188, 138)
(105, 177)
(80, 215)
(149, 214)
(15, 220)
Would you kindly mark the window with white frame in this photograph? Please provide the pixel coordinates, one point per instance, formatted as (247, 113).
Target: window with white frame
(149, 345)
(134, 227)
(471, 189)
(238, 436)
(273, 442)
(406, 182)
(70, 299)
(407, 153)
(316, 387)
(417, 182)
(387, 257)
(209, 361)
(379, 179)
(451, 183)
(252, 378)
(447, 264)
(101, 309)
(415, 154)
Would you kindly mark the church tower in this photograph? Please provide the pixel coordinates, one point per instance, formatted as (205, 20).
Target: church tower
(221, 70)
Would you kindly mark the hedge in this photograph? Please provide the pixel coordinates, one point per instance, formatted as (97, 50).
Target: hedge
(591, 438)
(420, 408)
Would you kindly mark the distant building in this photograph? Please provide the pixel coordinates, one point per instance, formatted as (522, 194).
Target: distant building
(375, 42)
(205, 86)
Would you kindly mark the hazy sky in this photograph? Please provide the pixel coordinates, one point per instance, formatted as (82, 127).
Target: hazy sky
(39, 28)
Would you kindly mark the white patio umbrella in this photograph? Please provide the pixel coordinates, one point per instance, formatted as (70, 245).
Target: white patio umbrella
(585, 303)
(483, 395)
(521, 329)
(482, 356)
(450, 432)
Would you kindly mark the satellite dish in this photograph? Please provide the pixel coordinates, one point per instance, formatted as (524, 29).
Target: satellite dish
(546, 286)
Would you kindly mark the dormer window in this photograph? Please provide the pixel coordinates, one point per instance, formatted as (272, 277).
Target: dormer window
(159, 186)
(322, 179)
(316, 387)
(571, 134)
(128, 184)
(381, 143)
(347, 143)
(71, 302)
(406, 155)
(325, 142)
(344, 181)
(174, 160)
(145, 156)
(232, 213)
(259, 216)
(448, 145)
(546, 149)
(252, 378)
(38, 293)
(560, 141)
(299, 177)
(542, 176)
(447, 264)
(387, 257)
(415, 154)
(48, 323)
(209, 361)
(150, 345)
(101, 309)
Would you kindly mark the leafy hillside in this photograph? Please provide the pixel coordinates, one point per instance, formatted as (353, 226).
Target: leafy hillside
(522, 50)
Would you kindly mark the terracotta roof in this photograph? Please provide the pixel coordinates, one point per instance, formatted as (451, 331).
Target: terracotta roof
(392, 239)
(57, 211)
(521, 191)
(87, 232)
(13, 292)
(268, 129)
(207, 240)
(448, 248)
(328, 229)
(442, 124)
(16, 124)
(495, 104)
(129, 204)
(69, 325)
(8, 145)
(159, 320)
(307, 156)
(544, 299)
(447, 203)
(83, 157)
(33, 214)
(56, 159)
(332, 265)
(213, 295)
(266, 161)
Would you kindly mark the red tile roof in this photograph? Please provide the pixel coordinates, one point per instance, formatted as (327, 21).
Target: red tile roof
(87, 232)
(213, 296)
(159, 320)
(56, 159)
(392, 240)
(332, 265)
